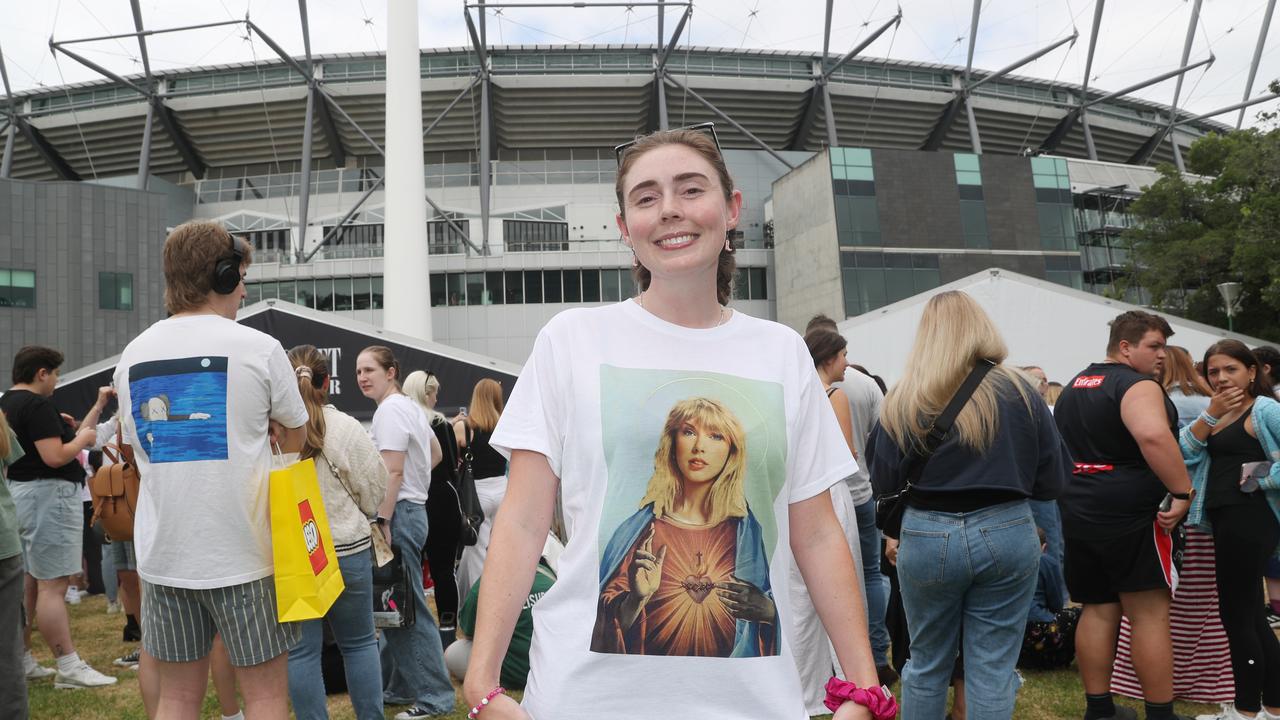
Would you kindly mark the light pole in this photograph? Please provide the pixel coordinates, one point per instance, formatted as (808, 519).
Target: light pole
(1231, 296)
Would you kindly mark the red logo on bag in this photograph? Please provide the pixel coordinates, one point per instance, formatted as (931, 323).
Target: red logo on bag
(1088, 381)
(311, 537)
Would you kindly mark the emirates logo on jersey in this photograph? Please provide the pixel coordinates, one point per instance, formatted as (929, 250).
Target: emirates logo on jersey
(1088, 381)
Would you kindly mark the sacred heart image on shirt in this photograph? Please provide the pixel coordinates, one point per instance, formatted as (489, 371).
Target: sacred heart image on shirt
(180, 408)
(685, 572)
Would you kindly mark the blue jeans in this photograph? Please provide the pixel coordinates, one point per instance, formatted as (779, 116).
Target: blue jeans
(351, 620)
(413, 671)
(875, 582)
(973, 570)
(1049, 519)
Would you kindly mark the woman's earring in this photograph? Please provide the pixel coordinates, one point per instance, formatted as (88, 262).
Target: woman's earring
(728, 242)
(635, 261)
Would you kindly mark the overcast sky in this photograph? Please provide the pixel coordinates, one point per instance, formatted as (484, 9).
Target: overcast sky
(1139, 38)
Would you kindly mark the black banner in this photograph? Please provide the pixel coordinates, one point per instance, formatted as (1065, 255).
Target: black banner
(457, 376)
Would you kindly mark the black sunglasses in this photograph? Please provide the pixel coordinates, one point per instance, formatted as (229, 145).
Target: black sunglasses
(706, 127)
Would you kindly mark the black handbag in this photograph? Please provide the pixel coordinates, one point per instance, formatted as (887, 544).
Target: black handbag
(393, 600)
(890, 508)
(469, 499)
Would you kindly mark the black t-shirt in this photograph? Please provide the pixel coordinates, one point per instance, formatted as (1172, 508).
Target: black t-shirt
(33, 418)
(485, 461)
(1113, 491)
(1229, 448)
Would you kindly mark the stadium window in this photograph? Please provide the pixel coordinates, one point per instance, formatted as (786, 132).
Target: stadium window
(375, 294)
(439, 293)
(590, 286)
(307, 292)
(533, 286)
(475, 289)
(493, 288)
(360, 299)
(551, 291)
(572, 283)
(288, 288)
(115, 290)
(610, 291)
(1064, 270)
(455, 289)
(252, 294)
(515, 287)
(535, 235)
(342, 292)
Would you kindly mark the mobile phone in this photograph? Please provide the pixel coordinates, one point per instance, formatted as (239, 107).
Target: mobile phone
(1167, 503)
(1251, 473)
(462, 410)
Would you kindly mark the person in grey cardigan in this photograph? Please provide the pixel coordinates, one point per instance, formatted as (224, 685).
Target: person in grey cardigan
(352, 482)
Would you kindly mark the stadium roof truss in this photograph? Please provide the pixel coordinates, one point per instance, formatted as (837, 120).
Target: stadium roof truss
(522, 97)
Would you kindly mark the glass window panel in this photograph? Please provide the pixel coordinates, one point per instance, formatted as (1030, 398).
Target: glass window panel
(572, 282)
(966, 162)
(627, 283)
(359, 295)
(533, 286)
(968, 178)
(897, 260)
(852, 301)
(863, 217)
(270, 290)
(741, 285)
(759, 284)
(493, 294)
(1043, 166)
(375, 293)
(837, 156)
(475, 288)
(324, 293)
(514, 287)
(342, 291)
(4, 278)
(551, 291)
(106, 290)
(124, 291)
(590, 286)
(871, 289)
(287, 291)
(306, 291)
(22, 279)
(927, 279)
(1061, 165)
(610, 291)
(438, 290)
(857, 156)
(859, 173)
(1050, 220)
(899, 284)
(253, 293)
(457, 289)
(840, 172)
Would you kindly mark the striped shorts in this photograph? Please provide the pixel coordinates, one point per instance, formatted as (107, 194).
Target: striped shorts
(178, 624)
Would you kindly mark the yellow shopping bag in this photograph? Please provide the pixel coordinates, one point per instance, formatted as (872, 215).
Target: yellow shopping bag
(307, 576)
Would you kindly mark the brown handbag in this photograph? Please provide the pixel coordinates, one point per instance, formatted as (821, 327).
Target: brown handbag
(114, 489)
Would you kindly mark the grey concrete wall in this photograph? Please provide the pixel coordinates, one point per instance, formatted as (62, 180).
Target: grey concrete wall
(806, 253)
(67, 233)
(917, 199)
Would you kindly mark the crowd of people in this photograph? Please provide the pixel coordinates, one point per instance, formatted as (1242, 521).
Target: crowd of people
(680, 510)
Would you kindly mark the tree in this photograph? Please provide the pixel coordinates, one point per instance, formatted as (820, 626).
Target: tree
(1196, 232)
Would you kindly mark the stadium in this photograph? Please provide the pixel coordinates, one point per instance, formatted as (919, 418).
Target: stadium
(867, 180)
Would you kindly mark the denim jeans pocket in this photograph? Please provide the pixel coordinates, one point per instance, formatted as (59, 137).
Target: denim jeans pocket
(1014, 547)
(922, 556)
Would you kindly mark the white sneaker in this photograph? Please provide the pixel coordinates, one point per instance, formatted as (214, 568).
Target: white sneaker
(113, 607)
(129, 661)
(81, 676)
(73, 595)
(1229, 713)
(34, 670)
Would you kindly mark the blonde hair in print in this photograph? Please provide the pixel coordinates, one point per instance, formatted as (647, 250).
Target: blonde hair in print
(728, 499)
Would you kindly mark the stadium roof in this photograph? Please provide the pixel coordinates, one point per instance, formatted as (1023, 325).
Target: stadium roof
(562, 96)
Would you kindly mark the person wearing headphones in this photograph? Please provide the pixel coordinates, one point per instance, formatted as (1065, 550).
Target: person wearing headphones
(203, 401)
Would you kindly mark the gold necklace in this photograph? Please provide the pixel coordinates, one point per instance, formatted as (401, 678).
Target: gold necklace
(640, 299)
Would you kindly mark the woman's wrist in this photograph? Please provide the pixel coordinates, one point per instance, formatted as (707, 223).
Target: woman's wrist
(1207, 419)
(878, 700)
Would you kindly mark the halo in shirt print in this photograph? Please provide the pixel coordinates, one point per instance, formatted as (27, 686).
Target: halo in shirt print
(180, 408)
(688, 527)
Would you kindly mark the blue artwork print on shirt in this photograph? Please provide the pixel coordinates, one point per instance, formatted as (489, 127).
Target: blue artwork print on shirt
(180, 408)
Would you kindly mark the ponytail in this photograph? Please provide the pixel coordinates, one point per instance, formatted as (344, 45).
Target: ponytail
(312, 369)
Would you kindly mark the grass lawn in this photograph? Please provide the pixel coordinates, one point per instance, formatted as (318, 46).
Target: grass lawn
(1045, 696)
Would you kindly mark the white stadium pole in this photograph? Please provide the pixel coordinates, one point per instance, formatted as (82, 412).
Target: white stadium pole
(406, 292)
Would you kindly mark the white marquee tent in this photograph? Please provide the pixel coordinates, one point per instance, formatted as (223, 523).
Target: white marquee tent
(1056, 327)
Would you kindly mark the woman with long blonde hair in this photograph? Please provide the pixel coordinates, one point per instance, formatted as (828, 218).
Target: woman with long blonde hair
(968, 553)
(488, 467)
(444, 515)
(1185, 387)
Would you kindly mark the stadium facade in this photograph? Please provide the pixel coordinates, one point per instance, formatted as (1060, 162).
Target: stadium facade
(827, 225)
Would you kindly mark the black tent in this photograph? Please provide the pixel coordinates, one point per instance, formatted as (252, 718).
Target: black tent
(343, 339)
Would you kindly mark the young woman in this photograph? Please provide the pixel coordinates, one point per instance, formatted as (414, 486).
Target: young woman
(586, 417)
(1184, 386)
(413, 671)
(1231, 450)
(353, 481)
(443, 514)
(488, 467)
(968, 554)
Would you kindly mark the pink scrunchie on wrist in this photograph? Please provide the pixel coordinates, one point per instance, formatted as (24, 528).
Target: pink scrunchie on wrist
(878, 700)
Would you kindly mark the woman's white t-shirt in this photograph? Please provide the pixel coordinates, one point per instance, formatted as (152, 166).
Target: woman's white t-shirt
(401, 424)
(594, 398)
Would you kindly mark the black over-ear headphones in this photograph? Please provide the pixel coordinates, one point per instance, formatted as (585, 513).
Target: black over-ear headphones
(226, 272)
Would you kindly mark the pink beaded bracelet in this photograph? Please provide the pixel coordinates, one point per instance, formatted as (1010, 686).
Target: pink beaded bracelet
(475, 711)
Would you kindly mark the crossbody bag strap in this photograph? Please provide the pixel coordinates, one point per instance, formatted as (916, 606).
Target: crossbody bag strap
(338, 476)
(942, 424)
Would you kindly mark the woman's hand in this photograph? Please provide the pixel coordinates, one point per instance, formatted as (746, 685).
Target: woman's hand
(1227, 398)
(644, 575)
(891, 551)
(745, 601)
(502, 707)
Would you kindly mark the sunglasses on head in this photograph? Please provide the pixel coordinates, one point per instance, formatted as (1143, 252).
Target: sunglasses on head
(708, 128)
